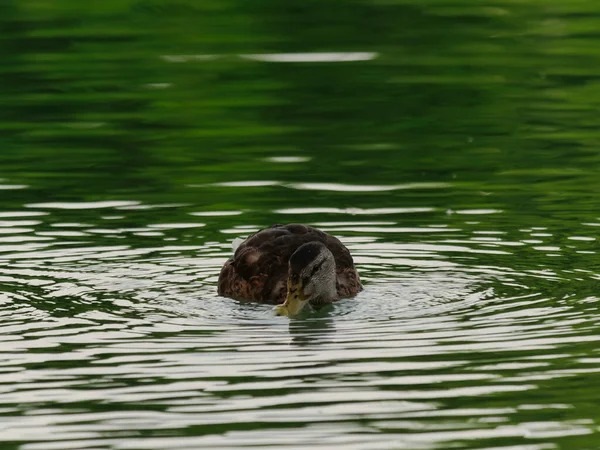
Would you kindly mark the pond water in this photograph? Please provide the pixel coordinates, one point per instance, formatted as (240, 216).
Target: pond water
(453, 146)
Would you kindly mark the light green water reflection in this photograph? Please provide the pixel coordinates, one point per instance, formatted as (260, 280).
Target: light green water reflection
(451, 145)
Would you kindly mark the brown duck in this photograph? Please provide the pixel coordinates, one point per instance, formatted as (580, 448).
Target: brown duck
(291, 264)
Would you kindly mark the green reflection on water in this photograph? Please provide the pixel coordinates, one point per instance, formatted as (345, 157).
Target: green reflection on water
(478, 117)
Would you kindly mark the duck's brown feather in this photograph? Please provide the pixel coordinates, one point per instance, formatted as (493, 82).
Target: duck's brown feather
(258, 269)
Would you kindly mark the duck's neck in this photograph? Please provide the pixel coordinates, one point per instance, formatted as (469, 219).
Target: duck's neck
(327, 294)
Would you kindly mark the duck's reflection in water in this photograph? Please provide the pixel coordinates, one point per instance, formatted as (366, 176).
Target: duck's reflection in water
(314, 330)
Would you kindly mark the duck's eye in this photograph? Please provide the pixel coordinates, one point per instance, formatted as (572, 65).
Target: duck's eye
(316, 268)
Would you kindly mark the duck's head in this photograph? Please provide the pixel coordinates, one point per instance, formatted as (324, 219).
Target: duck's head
(311, 278)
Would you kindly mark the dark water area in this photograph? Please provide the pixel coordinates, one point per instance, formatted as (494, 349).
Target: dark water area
(453, 146)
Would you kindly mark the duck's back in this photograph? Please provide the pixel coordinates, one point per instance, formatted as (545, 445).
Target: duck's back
(258, 269)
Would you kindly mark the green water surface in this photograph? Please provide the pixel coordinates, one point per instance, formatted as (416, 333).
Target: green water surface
(452, 145)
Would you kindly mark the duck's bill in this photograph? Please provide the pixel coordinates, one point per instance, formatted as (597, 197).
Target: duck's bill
(294, 302)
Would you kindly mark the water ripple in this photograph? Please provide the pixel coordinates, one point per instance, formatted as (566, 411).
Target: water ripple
(104, 342)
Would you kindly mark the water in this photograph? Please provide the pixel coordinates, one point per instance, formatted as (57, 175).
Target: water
(451, 145)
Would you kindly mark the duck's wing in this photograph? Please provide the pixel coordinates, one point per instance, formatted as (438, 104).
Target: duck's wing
(348, 282)
(258, 269)
(258, 287)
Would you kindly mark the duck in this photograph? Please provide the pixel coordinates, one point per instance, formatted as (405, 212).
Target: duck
(290, 266)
